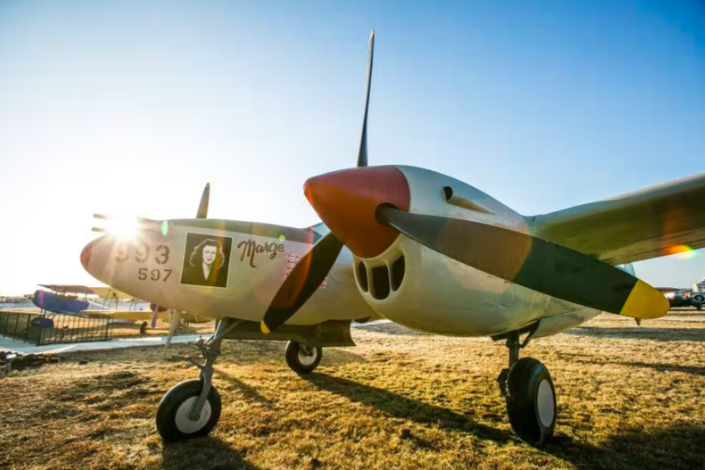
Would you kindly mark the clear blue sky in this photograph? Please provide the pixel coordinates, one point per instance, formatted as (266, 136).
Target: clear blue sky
(128, 108)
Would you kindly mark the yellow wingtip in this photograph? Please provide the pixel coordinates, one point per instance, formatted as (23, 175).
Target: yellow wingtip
(645, 302)
(263, 327)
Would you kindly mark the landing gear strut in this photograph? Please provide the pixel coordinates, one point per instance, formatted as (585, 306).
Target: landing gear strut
(192, 407)
(528, 389)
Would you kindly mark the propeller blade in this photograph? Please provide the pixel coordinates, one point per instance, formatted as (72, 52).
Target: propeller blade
(153, 321)
(362, 154)
(139, 220)
(531, 262)
(174, 319)
(203, 206)
(302, 282)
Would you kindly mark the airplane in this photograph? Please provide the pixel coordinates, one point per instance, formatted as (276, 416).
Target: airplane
(413, 246)
(683, 297)
(64, 299)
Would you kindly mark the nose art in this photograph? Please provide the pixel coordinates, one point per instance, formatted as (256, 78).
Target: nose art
(86, 256)
(346, 200)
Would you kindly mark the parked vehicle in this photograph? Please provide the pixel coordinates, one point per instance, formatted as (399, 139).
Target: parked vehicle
(685, 298)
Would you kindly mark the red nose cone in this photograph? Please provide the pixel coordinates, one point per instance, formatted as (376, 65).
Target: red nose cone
(86, 256)
(346, 201)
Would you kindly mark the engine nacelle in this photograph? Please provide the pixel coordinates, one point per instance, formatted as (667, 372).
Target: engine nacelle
(418, 287)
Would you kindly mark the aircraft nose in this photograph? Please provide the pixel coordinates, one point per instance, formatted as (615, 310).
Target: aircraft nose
(346, 201)
(86, 255)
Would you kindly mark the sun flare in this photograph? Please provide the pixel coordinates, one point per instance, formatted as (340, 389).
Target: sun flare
(123, 228)
(681, 251)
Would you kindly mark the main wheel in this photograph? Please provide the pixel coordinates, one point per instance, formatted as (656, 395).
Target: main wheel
(698, 301)
(531, 404)
(301, 358)
(173, 421)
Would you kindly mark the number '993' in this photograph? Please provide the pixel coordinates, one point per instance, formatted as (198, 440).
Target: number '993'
(124, 251)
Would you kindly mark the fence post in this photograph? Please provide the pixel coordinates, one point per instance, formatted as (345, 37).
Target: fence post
(17, 321)
(26, 328)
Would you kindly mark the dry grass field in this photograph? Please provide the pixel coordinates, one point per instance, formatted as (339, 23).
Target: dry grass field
(629, 398)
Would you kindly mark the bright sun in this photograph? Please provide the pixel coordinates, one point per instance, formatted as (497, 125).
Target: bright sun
(122, 228)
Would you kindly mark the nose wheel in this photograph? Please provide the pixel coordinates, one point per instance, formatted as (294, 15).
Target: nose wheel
(175, 421)
(530, 395)
(303, 359)
(192, 408)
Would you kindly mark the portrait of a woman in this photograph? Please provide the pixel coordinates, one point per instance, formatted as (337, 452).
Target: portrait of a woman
(206, 261)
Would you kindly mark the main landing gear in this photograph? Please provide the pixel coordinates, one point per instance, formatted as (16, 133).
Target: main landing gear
(531, 398)
(303, 359)
(192, 407)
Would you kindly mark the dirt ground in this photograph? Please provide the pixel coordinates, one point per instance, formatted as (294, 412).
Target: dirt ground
(629, 397)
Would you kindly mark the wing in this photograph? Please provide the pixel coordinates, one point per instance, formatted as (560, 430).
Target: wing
(645, 224)
(110, 293)
(134, 315)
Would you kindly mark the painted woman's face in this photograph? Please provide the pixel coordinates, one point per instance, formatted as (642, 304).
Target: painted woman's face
(209, 254)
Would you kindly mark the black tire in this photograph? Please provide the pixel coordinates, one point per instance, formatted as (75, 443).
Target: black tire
(171, 422)
(297, 357)
(531, 417)
(698, 301)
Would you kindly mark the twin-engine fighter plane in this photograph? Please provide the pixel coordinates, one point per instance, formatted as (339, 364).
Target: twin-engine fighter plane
(428, 251)
(438, 255)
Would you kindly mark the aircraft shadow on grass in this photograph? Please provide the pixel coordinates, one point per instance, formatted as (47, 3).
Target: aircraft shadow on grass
(634, 448)
(206, 452)
(403, 407)
(394, 329)
(250, 393)
(658, 334)
(673, 448)
(693, 370)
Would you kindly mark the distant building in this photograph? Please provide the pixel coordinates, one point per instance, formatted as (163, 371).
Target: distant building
(699, 286)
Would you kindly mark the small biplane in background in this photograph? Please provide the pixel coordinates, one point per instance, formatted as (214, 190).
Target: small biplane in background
(72, 299)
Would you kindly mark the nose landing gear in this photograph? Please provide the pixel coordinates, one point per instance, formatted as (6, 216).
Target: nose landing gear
(530, 395)
(192, 408)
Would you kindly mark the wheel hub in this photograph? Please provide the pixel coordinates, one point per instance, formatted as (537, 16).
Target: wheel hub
(183, 419)
(545, 403)
(307, 356)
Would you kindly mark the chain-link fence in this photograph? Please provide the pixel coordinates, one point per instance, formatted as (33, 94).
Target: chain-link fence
(39, 329)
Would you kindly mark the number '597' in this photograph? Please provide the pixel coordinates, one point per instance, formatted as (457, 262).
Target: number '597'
(146, 274)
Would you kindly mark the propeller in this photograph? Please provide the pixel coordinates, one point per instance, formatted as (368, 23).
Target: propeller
(153, 321)
(531, 262)
(175, 315)
(313, 268)
(174, 319)
(362, 153)
(302, 282)
(203, 205)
